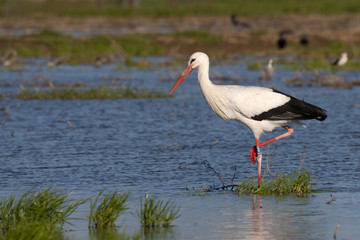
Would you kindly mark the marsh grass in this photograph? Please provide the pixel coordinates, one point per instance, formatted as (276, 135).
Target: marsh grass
(297, 182)
(157, 212)
(34, 230)
(36, 215)
(50, 205)
(101, 92)
(48, 43)
(41, 215)
(86, 50)
(10, 212)
(106, 209)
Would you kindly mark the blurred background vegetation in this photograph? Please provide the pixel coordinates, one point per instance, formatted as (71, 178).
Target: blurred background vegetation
(77, 30)
(85, 8)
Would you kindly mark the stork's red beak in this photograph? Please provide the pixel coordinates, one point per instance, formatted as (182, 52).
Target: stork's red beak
(183, 75)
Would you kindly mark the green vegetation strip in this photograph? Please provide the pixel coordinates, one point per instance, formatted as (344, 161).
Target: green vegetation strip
(42, 215)
(36, 214)
(297, 182)
(155, 8)
(101, 92)
(73, 50)
(88, 50)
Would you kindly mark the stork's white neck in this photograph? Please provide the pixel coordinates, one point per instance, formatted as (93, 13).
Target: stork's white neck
(203, 76)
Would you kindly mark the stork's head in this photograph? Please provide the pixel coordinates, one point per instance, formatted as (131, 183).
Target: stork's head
(196, 60)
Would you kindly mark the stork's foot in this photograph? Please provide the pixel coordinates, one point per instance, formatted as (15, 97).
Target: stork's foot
(253, 154)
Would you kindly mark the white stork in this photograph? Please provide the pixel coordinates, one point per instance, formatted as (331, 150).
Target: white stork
(260, 109)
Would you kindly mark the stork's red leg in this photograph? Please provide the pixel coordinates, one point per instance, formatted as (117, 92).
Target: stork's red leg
(255, 150)
(288, 133)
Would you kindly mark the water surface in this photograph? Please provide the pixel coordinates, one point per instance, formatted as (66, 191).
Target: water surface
(158, 146)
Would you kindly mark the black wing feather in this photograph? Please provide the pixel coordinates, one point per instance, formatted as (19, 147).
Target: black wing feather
(294, 109)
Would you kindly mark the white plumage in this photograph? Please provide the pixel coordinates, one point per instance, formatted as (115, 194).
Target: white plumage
(260, 109)
(342, 60)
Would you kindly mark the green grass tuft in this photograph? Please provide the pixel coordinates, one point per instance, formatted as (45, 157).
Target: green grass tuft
(104, 214)
(53, 206)
(101, 92)
(297, 182)
(157, 212)
(36, 215)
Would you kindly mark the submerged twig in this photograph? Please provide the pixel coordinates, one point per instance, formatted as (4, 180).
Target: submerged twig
(68, 122)
(207, 165)
(214, 143)
(223, 187)
(173, 116)
(337, 228)
(169, 145)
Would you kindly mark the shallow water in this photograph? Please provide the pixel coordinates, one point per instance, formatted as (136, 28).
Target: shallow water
(158, 146)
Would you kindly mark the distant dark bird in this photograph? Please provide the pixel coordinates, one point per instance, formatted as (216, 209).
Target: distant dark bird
(235, 21)
(304, 40)
(281, 42)
(282, 38)
(342, 60)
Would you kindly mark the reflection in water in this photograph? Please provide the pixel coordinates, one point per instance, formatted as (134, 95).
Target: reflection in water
(256, 217)
(272, 218)
(158, 233)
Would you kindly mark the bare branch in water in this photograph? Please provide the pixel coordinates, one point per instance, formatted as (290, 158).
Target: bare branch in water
(223, 187)
(207, 165)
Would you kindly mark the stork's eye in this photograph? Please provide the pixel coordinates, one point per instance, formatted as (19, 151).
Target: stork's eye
(192, 60)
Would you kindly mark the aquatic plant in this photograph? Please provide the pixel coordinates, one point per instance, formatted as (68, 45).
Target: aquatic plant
(50, 205)
(10, 212)
(157, 212)
(36, 215)
(105, 213)
(297, 182)
(34, 230)
(101, 92)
